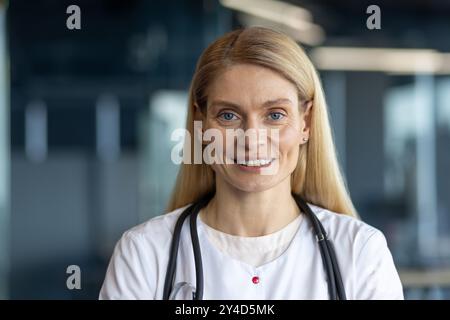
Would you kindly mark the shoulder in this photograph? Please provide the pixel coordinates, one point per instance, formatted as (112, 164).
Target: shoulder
(363, 249)
(149, 240)
(139, 258)
(356, 241)
(346, 230)
(159, 228)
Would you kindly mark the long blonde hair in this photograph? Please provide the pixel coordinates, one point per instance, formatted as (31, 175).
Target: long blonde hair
(317, 177)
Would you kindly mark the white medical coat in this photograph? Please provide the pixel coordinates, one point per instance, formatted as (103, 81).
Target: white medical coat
(138, 265)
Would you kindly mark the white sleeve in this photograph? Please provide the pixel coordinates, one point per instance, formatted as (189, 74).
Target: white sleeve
(127, 277)
(376, 275)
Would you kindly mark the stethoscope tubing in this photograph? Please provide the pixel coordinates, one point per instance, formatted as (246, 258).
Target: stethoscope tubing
(334, 279)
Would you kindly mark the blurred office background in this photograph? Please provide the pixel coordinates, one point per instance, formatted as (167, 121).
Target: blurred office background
(86, 117)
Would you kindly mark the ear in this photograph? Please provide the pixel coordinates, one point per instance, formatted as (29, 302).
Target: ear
(307, 107)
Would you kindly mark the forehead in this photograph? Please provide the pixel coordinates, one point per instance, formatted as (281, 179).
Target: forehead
(251, 84)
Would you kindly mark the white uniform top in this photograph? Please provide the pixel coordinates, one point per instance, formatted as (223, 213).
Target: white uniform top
(138, 266)
(254, 251)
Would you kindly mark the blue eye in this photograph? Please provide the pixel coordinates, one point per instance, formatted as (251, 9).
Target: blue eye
(228, 116)
(276, 116)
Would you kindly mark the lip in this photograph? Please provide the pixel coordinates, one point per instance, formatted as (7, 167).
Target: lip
(253, 168)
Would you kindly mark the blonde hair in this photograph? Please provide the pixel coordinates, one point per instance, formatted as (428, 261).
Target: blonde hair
(317, 177)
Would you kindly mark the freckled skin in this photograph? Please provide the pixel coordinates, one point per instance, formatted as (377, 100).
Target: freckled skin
(249, 87)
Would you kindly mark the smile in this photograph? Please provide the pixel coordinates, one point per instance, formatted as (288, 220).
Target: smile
(255, 163)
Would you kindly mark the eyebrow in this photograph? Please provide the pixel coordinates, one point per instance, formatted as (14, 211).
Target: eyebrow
(266, 104)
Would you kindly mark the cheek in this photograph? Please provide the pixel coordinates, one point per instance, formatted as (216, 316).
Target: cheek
(289, 142)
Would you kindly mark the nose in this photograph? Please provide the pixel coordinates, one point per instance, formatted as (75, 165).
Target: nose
(251, 123)
(255, 135)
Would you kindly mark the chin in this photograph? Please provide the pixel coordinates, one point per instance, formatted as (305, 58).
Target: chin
(249, 181)
(256, 184)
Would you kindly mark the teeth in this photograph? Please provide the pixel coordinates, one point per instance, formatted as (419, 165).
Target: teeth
(255, 163)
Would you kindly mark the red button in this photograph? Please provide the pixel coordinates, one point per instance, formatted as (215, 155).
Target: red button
(255, 280)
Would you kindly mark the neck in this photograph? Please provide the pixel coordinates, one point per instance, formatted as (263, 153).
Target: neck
(250, 214)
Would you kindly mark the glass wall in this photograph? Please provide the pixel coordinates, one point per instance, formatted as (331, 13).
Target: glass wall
(87, 120)
(4, 158)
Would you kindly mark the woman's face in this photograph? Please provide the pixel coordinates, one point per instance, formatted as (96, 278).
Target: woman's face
(259, 100)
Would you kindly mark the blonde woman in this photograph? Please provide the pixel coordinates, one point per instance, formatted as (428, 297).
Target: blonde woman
(276, 223)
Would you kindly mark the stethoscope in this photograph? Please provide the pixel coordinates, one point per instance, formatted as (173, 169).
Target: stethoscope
(334, 279)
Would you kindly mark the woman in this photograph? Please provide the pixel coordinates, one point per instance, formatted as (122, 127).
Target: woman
(256, 242)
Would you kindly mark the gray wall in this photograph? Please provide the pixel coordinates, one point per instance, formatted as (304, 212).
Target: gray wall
(67, 210)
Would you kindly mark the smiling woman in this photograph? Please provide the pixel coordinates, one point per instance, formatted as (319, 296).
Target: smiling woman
(241, 72)
(273, 234)
(219, 152)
